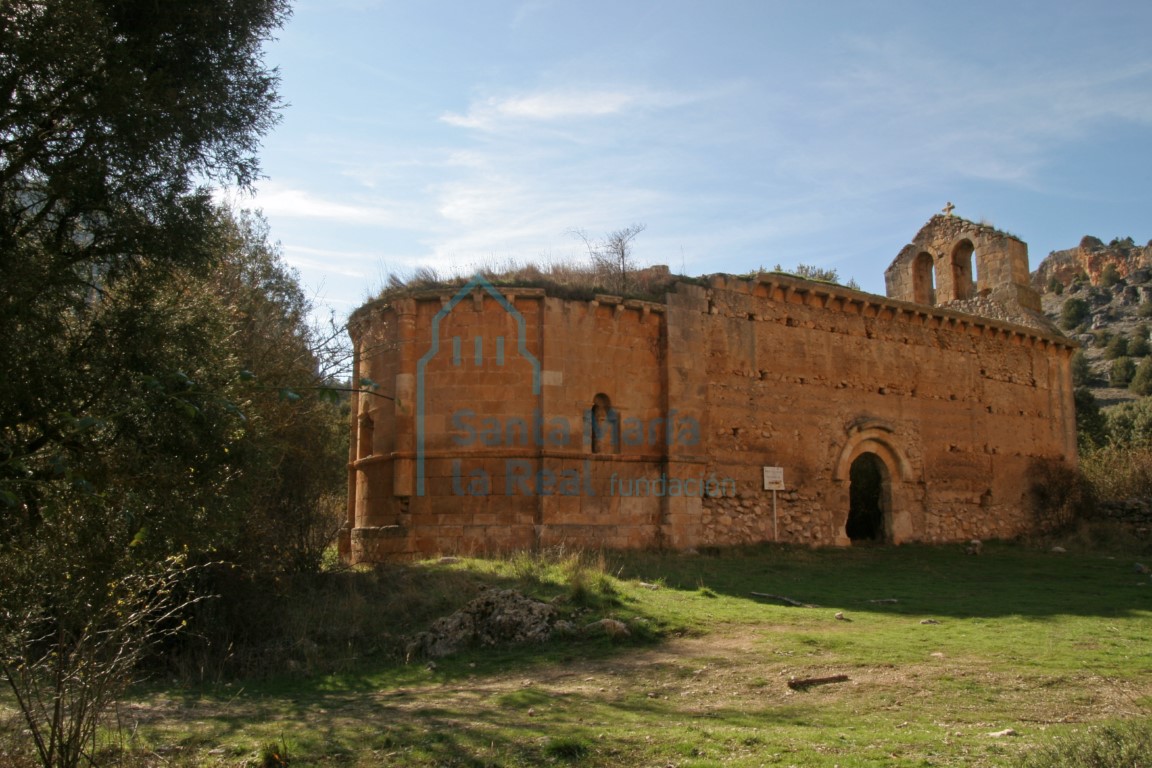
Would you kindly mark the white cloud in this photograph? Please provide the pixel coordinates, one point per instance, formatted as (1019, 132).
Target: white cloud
(287, 202)
(564, 104)
(346, 263)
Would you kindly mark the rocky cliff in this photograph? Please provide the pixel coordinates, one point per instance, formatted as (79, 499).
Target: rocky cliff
(1090, 259)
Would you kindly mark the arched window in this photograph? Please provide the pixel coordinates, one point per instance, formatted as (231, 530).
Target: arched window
(963, 275)
(603, 425)
(924, 279)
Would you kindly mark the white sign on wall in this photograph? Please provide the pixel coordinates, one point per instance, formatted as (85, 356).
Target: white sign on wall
(773, 478)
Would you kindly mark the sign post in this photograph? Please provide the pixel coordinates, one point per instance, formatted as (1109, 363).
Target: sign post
(774, 481)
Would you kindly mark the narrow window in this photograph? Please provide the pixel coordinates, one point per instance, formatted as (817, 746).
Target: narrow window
(603, 425)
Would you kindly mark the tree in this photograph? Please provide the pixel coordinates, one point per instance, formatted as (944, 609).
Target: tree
(612, 255)
(1138, 346)
(1109, 276)
(1081, 370)
(1073, 313)
(1123, 369)
(1091, 426)
(1141, 382)
(117, 415)
(293, 446)
(111, 113)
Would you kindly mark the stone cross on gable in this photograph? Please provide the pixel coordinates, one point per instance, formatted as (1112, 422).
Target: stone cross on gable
(948, 209)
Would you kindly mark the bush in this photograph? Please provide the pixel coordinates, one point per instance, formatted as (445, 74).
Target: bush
(1138, 347)
(1131, 423)
(1074, 312)
(1055, 286)
(1117, 472)
(1141, 383)
(1060, 495)
(1109, 276)
(1091, 426)
(1145, 309)
(1118, 745)
(1123, 369)
(1117, 347)
(1081, 370)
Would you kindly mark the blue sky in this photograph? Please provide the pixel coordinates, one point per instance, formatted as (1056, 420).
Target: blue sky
(461, 134)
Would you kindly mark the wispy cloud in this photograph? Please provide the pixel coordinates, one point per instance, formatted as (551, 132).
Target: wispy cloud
(900, 111)
(289, 202)
(563, 104)
(347, 263)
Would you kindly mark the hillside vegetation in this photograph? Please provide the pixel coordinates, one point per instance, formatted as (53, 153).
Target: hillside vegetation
(1102, 296)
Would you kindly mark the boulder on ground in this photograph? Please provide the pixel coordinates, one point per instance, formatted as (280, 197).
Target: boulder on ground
(498, 617)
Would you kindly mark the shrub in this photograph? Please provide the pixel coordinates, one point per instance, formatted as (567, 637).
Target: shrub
(566, 748)
(1141, 383)
(1091, 426)
(1117, 347)
(1137, 347)
(1123, 369)
(1145, 309)
(1074, 312)
(1131, 423)
(1055, 286)
(1118, 472)
(1081, 370)
(1060, 495)
(1118, 745)
(1109, 276)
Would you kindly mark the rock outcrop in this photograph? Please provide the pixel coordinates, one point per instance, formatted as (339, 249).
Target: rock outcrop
(1090, 259)
(498, 617)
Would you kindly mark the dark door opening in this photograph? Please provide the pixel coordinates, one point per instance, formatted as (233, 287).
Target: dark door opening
(867, 500)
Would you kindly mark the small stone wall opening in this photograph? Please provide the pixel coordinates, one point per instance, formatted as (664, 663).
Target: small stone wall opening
(869, 500)
(603, 425)
(364, 437)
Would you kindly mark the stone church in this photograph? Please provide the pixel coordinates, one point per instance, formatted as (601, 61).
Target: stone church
(735, 410)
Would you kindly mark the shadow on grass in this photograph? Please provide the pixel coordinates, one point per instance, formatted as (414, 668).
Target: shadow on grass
(475, 724)
(917, 580)
(344, 632)
(468, 710)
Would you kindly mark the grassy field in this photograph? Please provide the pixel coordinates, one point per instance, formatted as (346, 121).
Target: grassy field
(940, 653)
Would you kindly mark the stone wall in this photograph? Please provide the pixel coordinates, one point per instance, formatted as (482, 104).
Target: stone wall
(808, 378)
(509, 419)
(952, 260)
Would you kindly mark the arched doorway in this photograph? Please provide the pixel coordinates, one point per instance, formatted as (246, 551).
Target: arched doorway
(870, 500)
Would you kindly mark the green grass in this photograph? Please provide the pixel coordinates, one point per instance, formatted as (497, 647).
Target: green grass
(1045, 644)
